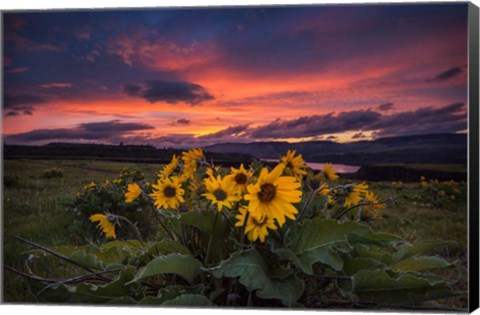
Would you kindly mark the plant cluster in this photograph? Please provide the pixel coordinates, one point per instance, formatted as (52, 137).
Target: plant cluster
(54, 172)
(438, 192)
(247, 236)
(109, 196)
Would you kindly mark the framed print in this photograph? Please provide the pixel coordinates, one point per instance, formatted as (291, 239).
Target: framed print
(300, 157)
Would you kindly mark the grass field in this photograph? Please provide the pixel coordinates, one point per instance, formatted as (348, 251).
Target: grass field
(35, 208)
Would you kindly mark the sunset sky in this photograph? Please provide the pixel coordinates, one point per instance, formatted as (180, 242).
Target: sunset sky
(194, 77)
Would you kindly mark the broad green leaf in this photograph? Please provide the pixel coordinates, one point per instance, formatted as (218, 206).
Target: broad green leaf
(90, 293)
(164, 247)
(376, 286)
(353, 265)
(203, 220)
(183, 265)
(188, 300)
(420, 263)
(255, 275)
(374, 252)
(318, 240)
(408, 250)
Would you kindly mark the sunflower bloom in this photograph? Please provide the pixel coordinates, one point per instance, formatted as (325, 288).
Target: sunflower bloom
(170, 168)
(189, 159)
(212, 171)
(255, 229)
(272, 195)
(192, 156)
(220, 192)
(373, 211)
(355, 194)
(239, 178)
(323, 190)
(294, 165)
(328, 172)
(105, 224)
(90, 186)
(134, 191)
(168, 193)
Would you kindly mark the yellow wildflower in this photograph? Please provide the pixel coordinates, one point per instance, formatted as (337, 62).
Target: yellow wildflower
(220, 192)
(272, 196)
(105, 223)
(255, 228)
(328, 172)
(355, 194)
(239, 177)
(168, 193)
(134, 191)
(294, 165)
(170, 168)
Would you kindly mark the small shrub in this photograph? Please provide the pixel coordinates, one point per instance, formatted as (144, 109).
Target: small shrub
(54, 172)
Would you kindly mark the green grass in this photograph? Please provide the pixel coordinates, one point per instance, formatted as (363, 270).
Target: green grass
(35, 209)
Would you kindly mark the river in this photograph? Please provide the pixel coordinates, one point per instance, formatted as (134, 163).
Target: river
(339, 168)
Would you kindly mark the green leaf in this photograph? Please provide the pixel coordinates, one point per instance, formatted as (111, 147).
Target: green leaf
(183, 265)
(255, 275)
(203, 220)
(420, 264)
(188, 300)
(374, 252)
(318, 240)
(408, 250)
(164, 247)
(90, 293)
(353, 265)
(376, 286)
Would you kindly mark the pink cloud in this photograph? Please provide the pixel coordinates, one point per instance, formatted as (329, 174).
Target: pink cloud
(56, 85)
(17, 70)
(161, 54)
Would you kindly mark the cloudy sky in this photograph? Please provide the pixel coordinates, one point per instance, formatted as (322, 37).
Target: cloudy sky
(193, 77)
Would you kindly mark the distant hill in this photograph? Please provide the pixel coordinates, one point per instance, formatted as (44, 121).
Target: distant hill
(123, 153)
(420, 149)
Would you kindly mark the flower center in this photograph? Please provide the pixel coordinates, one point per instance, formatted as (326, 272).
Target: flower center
(289, 165)
(220, 195)
(241, 178)
(267, 192)
(169, 191)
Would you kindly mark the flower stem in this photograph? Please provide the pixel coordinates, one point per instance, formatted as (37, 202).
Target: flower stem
(242, 232)
(134, 228)
(361, 204)
(210, 241)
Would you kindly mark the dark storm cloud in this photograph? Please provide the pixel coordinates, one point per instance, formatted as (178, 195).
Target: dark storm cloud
(171, 92)
(448, 74)
(23, 100)
(87, 131)
(227, 132)
(308, 126)
(11, 114)
(386, 106)
(183, 121)
(447, 119)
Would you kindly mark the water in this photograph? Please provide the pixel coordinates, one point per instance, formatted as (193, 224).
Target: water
(339, 168)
